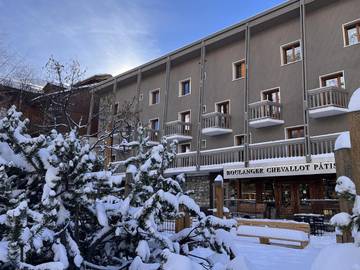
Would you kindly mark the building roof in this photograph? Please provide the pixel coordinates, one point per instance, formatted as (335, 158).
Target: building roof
(231, 30)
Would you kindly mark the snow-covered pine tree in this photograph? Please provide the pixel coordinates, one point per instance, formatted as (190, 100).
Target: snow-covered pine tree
(155, 198)
(345, 187)
(60, 210)
(49, 189)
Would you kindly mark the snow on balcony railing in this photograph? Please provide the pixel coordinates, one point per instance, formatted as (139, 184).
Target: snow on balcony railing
(222, 156)
(322, 144)
(216, 120)
(184, 160)
(277, 149)
(177, 128)
(328, 96)
(264, 109)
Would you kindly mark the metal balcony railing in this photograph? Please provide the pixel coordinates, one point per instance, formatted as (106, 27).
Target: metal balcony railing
(265, 109)
(327, 96)
(216, 120)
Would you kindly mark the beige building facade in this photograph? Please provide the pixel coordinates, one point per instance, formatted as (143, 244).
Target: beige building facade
(260, 102)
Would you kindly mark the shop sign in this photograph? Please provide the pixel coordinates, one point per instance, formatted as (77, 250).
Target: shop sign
(280, 170)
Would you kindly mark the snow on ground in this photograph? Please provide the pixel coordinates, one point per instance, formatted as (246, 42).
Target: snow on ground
(256, 256)
(272, 257)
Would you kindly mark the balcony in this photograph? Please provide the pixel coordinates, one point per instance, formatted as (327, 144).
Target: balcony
(265, 114)
(178, 130)
(216, 123)
(327, 101)
(271, 152)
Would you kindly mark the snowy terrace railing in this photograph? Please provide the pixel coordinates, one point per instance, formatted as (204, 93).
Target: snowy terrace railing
(328, 96)
(265, 109)
(216, 120)
(177, 128)
(167, 226)
(184, 160)
(222, 156)
(323, 144)
(277, 149)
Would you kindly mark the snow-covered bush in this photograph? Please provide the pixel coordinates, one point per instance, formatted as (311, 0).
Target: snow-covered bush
(60, 210)
(345, 187)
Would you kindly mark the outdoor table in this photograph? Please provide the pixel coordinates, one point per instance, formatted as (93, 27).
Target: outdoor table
(316, 222)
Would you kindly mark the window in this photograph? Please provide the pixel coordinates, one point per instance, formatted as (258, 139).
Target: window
(335, 79)
(291, 53)
(204, 109)
(352, 33)
(271, 95)
(295, 132)
(155, 124)
(203, 144)
(116, 108)
(185, 117)
(185, 87)
(239, 70)
(223, 107)
(304, 194)
(239, 139)
(154, 97)
(184, 148)
(285, 195)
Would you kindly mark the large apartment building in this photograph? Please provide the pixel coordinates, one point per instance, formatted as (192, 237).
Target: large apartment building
(260, 103)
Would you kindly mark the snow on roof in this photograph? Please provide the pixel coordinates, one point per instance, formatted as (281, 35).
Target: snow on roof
(343, 141)
(354, 103)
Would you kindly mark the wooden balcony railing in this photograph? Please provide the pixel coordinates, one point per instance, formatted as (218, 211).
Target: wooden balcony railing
(184, 160)
(277, 149)
(222, 156)
(264, 109)
(323, 144)
(328, 96)
(216, 120)
(178, 128)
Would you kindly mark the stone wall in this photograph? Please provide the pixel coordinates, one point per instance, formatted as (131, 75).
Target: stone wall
(201, 187)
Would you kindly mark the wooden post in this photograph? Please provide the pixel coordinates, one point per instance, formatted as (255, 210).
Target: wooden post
(343, 168)
(219, 196)
(259, 187)
(183, 222)
(354, 123)
(179, 224)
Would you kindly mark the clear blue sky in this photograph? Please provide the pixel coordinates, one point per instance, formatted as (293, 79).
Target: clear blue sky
(111, 36)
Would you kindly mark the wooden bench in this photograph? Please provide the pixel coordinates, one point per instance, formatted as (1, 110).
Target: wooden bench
(266, 230)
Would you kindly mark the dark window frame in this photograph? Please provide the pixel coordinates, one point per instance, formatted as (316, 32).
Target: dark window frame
(354, 25)
(154, 97)
(291, 46)
(336, 75)
(239, 70)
